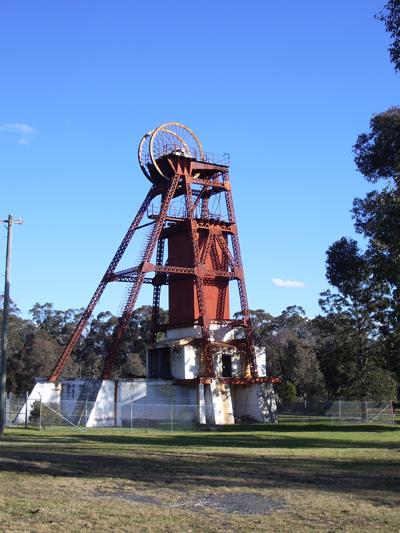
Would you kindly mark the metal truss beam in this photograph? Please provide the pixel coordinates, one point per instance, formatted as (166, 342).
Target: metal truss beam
(100, 289)
(133, 293)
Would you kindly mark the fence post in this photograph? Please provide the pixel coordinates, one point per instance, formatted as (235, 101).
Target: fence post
(172, 424)
(26, 409)
(40, 414)
(86, 413)
(131, 412)
(6, 414)
(340, 411)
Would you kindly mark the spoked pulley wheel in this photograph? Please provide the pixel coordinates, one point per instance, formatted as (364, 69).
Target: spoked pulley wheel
(144, 154)
(169, 138)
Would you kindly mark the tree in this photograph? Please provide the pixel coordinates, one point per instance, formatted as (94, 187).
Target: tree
(36, 345)
(360, 294)
(59, 324)
(290, 353)
(260, 322)
(365, 313)
(133, 367)
(351, 357)
(96, 343)
(377, 218)
(292, 319)
(377, 153)
(134, 345)
(295, 361)
(32, 353)
(390, 15)
(349, 336)
(35, 358)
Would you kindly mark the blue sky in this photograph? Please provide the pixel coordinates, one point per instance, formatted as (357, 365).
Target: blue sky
(284, 87)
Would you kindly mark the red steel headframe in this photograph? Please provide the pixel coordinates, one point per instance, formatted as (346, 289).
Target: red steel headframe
(213, 249)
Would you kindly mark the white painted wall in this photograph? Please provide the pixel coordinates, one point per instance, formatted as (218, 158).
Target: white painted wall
(261, 361)
(191, 362)
(70, 392)
(182, 333)
(255, 401)
(215, 403)
(202, 404)
(267, 403)
(218, 332)
(222, 333)
(103, 413)
(156, 400)
(184, 362)
(43, 391)
(235, 358)
(222, 403)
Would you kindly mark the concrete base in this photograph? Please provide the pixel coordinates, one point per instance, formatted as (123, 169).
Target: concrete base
(218, 404)
(255, 403)
(109, 403)
(43, 391)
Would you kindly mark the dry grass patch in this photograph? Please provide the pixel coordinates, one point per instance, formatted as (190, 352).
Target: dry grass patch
(282, 478)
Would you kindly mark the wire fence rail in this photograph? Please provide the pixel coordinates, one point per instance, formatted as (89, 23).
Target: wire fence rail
(172, 416)
(339, 411)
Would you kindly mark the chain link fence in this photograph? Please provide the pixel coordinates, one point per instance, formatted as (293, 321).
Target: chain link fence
(338, 411)
(171, 416)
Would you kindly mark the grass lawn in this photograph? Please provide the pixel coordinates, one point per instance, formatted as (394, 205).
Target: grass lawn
(248, 478)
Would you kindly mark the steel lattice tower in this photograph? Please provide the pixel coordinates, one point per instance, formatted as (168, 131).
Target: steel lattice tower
(191, 248)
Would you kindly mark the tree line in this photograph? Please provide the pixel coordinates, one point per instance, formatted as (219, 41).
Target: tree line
(350, 350)
(330, 356)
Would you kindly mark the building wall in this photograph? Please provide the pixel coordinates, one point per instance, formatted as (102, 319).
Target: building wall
(221, 405)
(143, 399)
(129, 402)
(254, 402)
(184, 362)
(261, 360)
(71, 394)
(43, 391)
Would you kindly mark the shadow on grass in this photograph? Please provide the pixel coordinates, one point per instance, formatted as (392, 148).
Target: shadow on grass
(235, 441)
(206, 459)
(290, 436)
(296, 427)
(216, 470)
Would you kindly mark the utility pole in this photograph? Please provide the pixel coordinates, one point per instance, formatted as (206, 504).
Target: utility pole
(6, 310)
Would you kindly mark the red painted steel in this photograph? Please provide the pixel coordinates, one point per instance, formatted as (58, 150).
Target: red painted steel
(100, 289)
(203, 258)
(135, 288)
(155, 310)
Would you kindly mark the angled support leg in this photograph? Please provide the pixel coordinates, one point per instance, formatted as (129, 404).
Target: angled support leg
(123, 322)
(249, 336)
(100, 289)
